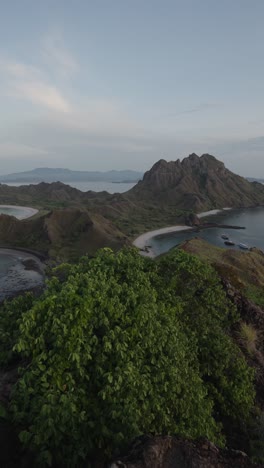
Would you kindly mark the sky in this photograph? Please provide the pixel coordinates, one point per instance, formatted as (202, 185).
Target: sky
(120, 84)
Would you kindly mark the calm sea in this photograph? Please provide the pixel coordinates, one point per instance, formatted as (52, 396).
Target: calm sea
(109, 187)
(252, 219)
(15, 276)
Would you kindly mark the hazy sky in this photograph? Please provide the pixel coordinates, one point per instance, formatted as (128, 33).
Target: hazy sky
(119, 84)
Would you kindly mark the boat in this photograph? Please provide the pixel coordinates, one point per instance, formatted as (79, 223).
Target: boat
(225, 236)
(229, 242)
(243, 246)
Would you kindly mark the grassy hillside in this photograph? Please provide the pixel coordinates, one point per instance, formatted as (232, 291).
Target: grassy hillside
(61, 234)
(244, 270)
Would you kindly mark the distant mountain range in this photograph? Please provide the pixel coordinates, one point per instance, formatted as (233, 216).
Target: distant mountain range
(47, 174)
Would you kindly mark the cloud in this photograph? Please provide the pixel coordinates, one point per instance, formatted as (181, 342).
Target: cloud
(40, 93)
(16, 150)
(56, 55)
(101, 123)
(27, 82)
(18, 70)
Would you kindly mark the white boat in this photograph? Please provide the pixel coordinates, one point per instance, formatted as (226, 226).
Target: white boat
(243, 246)
(229, 242)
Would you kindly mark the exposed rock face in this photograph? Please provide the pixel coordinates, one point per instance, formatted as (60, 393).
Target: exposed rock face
(174, 452)
(197, 183)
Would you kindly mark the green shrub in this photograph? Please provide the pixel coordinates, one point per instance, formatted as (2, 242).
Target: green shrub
(206, 317)
(118, 346)
(108, 362)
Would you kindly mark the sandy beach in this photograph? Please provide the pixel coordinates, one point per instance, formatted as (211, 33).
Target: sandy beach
(25, 211)
(143, 242)
(211, 212)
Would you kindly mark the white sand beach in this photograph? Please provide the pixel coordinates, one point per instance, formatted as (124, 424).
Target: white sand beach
(19, 212)
(143, 242)
(211, 212)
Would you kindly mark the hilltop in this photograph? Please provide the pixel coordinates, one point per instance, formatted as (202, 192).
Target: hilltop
(61, 234)
(197, 184)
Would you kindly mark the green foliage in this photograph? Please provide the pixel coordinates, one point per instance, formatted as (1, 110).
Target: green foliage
(255, 294)
(10, 317)
(206, 317)
(118, 346)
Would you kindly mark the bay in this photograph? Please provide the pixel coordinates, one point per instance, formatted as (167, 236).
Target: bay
(253, 234)
(109, 187)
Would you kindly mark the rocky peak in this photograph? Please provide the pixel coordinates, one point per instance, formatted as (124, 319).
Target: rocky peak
(197, 183)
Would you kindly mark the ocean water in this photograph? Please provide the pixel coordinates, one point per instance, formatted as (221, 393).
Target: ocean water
(109, 187)
(18, 213)
(252, 219)
(16, 274)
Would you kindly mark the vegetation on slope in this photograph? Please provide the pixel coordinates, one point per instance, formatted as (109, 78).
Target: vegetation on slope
(118, 346)
(61, 234)
(244, 270)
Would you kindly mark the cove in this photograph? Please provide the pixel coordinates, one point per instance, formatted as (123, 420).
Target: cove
(250, 218)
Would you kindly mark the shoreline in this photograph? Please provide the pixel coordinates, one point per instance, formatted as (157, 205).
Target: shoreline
(27, 212)
(142, 242)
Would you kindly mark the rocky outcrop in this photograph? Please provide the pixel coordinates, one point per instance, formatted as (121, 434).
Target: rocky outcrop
(175, 452)
(197, 183)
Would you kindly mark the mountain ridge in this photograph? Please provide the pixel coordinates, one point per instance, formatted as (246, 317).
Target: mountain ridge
(48, 174)
(197, 183)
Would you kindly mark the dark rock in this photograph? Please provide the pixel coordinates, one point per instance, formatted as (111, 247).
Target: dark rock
(175, 452)
(192, 220)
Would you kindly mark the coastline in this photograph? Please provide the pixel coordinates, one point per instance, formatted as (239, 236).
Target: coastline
(144, 240)
(211, 212)
(26, 212)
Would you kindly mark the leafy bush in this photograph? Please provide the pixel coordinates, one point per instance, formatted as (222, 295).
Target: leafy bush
(108, 362)
(10, 316)
(118, 346)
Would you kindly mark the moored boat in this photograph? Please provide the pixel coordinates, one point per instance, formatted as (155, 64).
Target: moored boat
(229, 242)
(243, 246)
(225, 236)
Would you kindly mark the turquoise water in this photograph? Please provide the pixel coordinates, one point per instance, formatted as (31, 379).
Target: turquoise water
(12, 211)
(252, 219)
